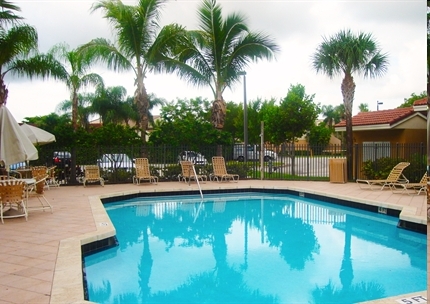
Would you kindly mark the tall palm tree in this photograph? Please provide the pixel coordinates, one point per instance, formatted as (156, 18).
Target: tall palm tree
(346, 53)
(141, 46)
(75, 74)
(219, 51)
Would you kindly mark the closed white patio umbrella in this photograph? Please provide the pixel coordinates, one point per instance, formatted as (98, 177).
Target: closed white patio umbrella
(15, 146)
(37, 135)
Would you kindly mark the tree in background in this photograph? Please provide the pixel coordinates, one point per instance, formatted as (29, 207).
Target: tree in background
(295, 115)
(218, 52)
(110, 104)
(187, 123)
(409, 102)
(84, 109)
(363, 107)
(141, 46)
(332, 115)
(346, 53)
(319, 137)
(75, 74)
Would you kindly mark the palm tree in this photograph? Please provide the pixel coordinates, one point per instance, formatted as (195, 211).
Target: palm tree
(85, 109)
(346, 53)
(20, 57)
(219, 51)
(141, 46)
(75, 74)
(331, 114)
(363, 107)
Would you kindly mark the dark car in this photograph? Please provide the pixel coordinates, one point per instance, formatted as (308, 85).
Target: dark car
(62, 159)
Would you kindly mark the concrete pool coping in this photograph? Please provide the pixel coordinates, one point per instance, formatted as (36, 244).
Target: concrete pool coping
(68, 278)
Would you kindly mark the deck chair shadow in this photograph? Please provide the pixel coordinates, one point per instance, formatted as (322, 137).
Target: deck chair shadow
(92, 175)
(143, 172)
(12, 193)
(220, 171)
(411, 188)
(395, 176)
(188, 175)
(37, 190)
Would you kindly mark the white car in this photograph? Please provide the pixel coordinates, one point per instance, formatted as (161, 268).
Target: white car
(115, 161)
(195, 157)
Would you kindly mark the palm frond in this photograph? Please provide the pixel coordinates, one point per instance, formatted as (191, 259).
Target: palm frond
(7, 14)
(101, 49)
(17, 42)
(41, 65)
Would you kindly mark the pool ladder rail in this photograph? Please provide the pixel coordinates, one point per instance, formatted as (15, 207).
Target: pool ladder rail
(197, 180)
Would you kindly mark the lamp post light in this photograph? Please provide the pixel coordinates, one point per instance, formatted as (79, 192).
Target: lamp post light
(245, 118)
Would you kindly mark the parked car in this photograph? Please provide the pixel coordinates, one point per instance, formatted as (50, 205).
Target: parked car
(253, 153)
(62, 159)
(195, 157)
(114, 161)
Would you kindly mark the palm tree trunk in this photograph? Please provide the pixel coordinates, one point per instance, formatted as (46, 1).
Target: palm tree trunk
(348, 90)
(142, 102)
(3, 92)
(218, 114)
(219, 110)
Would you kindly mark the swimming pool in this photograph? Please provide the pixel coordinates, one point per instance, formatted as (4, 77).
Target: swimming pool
(253, 248)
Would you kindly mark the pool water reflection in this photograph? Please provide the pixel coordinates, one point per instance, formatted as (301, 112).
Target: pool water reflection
(253, 248)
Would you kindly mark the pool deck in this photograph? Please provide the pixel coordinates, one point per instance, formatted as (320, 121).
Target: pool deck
(41, 258)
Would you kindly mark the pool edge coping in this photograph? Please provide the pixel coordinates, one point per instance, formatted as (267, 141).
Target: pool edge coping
(67, 284)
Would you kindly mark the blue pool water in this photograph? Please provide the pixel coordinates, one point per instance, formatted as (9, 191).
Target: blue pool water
(253, 248)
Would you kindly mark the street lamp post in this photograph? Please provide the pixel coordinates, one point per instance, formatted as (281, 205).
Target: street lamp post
(245, 118)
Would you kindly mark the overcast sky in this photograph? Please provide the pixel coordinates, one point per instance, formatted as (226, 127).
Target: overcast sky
(298, 27)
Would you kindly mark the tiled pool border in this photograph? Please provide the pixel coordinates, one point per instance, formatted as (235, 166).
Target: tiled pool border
(68, 280)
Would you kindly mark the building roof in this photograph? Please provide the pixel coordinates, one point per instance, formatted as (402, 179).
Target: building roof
(421, 102)
(385, 117)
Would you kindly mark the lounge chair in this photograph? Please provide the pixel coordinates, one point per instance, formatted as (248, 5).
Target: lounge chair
(12, 192)
(395, 176)
(37, 190)
(220, 170)
(188, 175)
(92, 175)
(52, 178)
(417, 188)
(143, 172)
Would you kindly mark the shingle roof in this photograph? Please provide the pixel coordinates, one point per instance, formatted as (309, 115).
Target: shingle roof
(379, 117)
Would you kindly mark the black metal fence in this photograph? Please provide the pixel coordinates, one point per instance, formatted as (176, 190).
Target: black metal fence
(284, 162)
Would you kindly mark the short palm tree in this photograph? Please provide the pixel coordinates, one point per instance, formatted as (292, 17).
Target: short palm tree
(141, 46)
(75, 74)
(84, 109)
(219, 51)
(19, 56)
(346, 53)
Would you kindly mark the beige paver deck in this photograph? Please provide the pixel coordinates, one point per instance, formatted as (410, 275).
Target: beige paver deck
(41, 260)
